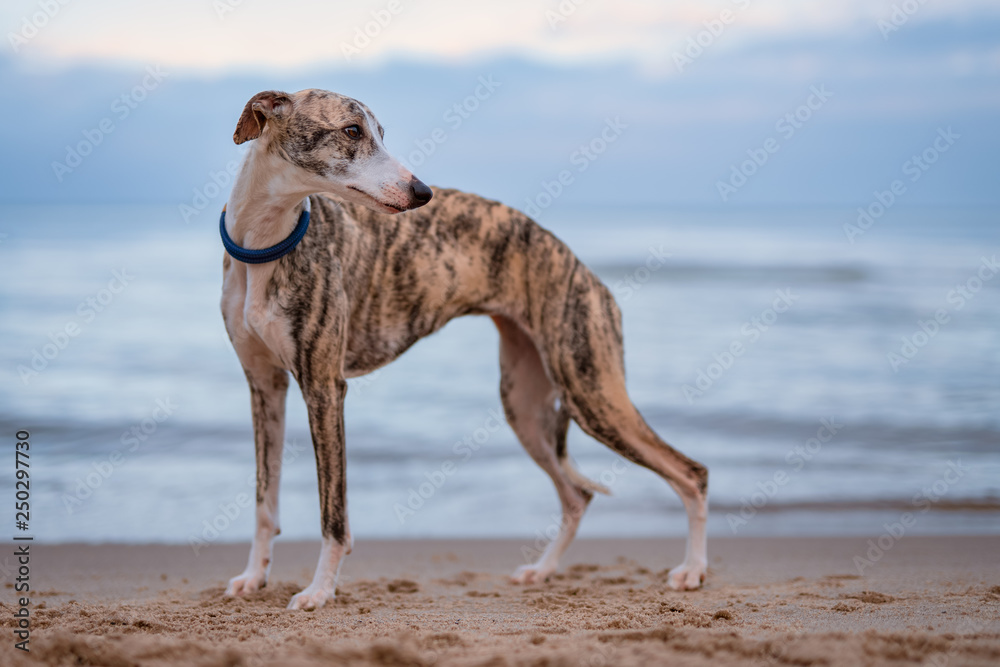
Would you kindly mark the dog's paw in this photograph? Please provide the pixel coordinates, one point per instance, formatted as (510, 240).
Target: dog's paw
(531, 574)
(309, 599)
(687, 577)
(246, 583)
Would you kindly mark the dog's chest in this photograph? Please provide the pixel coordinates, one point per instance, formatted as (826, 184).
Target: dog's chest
(254, 319)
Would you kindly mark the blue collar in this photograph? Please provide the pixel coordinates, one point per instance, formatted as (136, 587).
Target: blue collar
(265, 255)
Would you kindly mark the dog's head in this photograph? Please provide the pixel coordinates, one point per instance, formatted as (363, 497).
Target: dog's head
(336, 144)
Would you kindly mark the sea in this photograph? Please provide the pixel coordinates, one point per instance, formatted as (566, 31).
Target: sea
(837, 378)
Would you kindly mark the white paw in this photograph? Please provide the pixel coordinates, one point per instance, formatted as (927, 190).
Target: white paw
(310, 599)
(531, 574)
(686, 577)
(246, 583)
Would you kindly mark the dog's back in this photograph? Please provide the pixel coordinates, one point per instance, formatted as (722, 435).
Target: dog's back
(405, 276)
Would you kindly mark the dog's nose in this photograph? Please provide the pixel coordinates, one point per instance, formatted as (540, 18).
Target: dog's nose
(421, 193)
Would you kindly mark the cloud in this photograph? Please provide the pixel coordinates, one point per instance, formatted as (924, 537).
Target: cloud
(246, 34)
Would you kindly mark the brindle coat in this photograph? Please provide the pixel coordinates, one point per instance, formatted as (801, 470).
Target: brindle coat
(365, 284)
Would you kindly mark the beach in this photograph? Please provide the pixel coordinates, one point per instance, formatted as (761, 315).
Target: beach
(795, 211)
(141, 426)
(768, 601)
(141, 445)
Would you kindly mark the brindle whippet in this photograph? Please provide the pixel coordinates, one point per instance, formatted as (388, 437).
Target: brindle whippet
(386, 262)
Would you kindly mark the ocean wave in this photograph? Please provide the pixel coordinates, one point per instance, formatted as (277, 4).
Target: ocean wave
(746, 273)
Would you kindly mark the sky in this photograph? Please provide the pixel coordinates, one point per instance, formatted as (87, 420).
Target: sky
(150, 91)
(247, 34)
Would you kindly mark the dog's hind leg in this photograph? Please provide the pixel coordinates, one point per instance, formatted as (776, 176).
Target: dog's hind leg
(529, 400)
(586, 357)
(268, 389)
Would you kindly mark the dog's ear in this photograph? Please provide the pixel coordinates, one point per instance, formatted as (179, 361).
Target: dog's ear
(269, 105)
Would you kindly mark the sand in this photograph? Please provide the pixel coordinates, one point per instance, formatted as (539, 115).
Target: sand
(780, 601)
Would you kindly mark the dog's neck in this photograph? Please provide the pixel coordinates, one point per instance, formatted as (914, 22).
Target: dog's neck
(263, 207)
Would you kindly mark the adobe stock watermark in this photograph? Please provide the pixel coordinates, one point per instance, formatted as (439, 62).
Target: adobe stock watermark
(87, 311)
(776, 653)
(562, 12)
(786, 127)
(33, 23)
(914, 168)
(632, 282)
(543, 538)
(363, 35)
(131, 440)
(750, 333)
(454, 116)
(899, 16)
(254, 320)
(225, 7)
(435, 479)
(928, 329)
(121, 108)
(217, 184)
(969, 626)
(797, 458)
(581, 158)
(922, 503)
(712, 30)
(360, 385)
(212, 528)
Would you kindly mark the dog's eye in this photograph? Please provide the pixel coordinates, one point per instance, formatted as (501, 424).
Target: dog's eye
(353, 131)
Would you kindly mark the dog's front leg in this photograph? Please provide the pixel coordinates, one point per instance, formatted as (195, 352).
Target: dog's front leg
(268, 389)
(325, 402)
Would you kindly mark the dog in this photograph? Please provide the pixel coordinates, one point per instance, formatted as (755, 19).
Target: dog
(385, 261)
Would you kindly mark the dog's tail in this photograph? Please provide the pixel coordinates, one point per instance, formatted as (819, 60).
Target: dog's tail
(579, 480)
